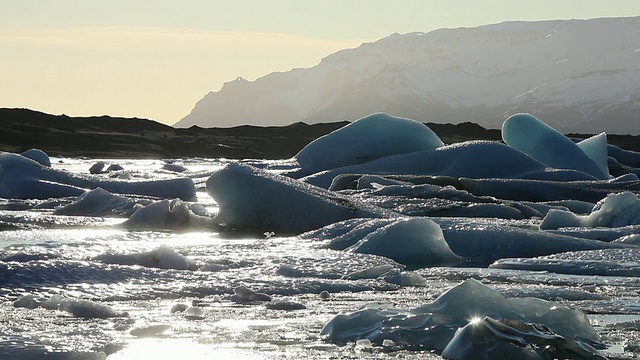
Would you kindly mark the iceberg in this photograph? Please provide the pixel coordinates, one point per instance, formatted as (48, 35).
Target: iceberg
(472, 159)
(616, 210)
(252, 198)
(99, 202)
(167, 215)
(412, 242)
(528, 134)
(464, 240)
(435, 326)
(24, 178)
(366, 139)
(37, 155)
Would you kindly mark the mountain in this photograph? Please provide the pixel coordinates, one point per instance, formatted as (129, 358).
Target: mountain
(576, 75)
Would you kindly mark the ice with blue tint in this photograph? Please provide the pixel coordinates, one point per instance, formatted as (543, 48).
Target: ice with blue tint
(369, 138)
(471, 159)
(596, 149)
(616, 210)
(480, 240)
(528, 134)
(24, 178)
(412, 242)
(433, 326)
(120, 267)
(37, 155)
(99, 202)
(252, 198)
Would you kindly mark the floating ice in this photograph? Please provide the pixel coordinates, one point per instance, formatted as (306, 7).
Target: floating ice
(162, 257)
(433, 326)
(538, 140)
(23, 178)
(476, 240)
(487, 338)
(99, 202)
(610, 262)
(37, 155)
(471, 159)
(166, 215)
(251, 198)
(244, 295)
(77, 307)
(415, 242)
(616, 210)
(538, 190)
(97, 167)
(595, 148)
(366, 139)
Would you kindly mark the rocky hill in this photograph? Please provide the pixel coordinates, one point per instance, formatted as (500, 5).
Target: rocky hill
(576, 75)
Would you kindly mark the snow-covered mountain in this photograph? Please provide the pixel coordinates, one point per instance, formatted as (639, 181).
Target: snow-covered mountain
(576, 75)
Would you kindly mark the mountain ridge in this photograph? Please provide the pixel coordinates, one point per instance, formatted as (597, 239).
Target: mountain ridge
(576, 75)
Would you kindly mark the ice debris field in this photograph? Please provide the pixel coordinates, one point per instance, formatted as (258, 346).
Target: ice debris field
(376, 240)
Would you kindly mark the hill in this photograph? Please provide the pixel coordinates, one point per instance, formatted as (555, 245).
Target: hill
(576, 75)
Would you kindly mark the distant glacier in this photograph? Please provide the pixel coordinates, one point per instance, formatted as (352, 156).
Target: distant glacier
(578, 75)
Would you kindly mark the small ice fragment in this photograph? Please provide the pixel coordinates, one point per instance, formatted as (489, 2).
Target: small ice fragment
(149, 331)
(178, 308)
(285, 305)
(325, 295)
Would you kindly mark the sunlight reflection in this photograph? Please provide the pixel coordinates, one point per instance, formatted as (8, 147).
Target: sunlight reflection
(158, 349)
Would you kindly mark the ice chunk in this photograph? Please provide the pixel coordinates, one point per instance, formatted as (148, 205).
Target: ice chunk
(97, 167)
(81, 308)
(616, 210)
(366, 139)
(23, 178)
(540, 141)
(433, 326)
(252, 198)
(537, 190)
(489, 241)
(471, 159)
(99, 202)
(165, 214)
(37, 155)
(413, 242)
(595, 148)
(513, 339)
(162, 257)
(244, 295)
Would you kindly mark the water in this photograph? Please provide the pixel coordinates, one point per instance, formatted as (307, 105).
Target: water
(87, 289)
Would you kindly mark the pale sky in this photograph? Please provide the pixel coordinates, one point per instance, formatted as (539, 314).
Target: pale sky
(156, 58)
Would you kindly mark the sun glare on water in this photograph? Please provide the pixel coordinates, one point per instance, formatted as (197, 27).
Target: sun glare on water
(159, 349)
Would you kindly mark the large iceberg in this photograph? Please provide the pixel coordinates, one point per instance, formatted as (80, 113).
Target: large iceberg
(252, 198)
(540, 141)
(471, 159)
(366, 139)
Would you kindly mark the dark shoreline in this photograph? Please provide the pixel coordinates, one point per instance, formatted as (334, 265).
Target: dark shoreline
(111, 137)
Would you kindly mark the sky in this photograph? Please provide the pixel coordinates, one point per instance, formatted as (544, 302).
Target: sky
(156, 58)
